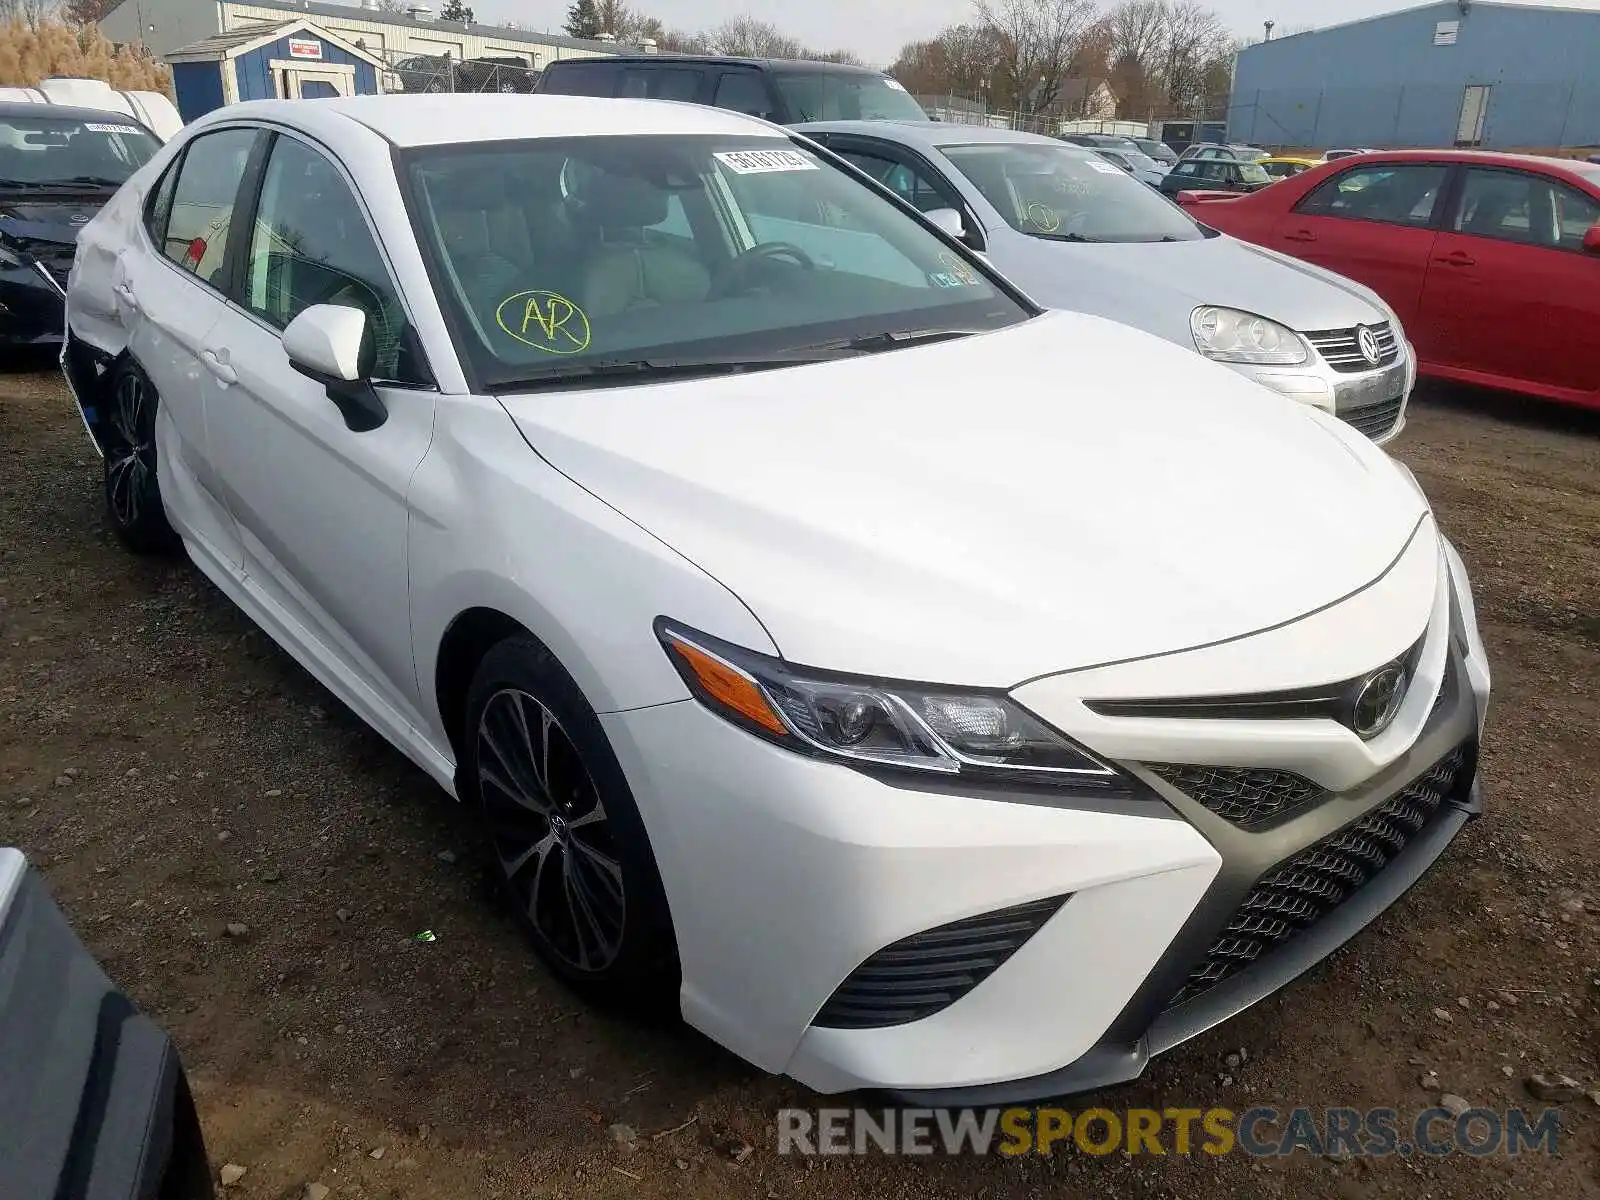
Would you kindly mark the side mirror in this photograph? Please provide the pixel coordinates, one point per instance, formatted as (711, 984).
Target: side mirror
(1591, 239)
(332, 344)
(949, 220)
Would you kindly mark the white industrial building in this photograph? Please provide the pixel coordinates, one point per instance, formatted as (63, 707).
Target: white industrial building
(167, 25)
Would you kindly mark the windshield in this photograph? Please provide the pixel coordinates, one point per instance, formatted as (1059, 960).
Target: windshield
(1055, 193)
(40, 151)
(1253, 172)
(846, 96)
(552, 253)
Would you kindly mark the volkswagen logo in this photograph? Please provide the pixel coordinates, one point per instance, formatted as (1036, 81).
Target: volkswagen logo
(1378, 700)
(77, 220)
(1367, 343)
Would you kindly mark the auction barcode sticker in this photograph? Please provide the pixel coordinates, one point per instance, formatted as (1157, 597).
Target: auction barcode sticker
(757, 162)
(1102, 166)
(111, 128)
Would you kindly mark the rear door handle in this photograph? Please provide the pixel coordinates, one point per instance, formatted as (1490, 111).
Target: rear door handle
(1300, 235)
(216, 362)
(1456, 258)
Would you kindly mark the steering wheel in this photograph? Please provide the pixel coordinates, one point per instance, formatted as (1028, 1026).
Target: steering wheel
(741, 269)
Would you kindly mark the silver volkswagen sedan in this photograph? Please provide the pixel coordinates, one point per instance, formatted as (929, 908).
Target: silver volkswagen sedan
(1076, 232)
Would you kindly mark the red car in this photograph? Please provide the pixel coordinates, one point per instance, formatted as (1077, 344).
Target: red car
(1491, 261)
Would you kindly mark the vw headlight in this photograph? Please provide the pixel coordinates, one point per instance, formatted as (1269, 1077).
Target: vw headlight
(1228, 335)
(877, 722)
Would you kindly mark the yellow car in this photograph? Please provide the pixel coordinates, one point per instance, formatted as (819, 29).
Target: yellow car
(1287, 168)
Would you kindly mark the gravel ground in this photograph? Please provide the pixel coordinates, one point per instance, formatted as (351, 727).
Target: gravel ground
(173, 773)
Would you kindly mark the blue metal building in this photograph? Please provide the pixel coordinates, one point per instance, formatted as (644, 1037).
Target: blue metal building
(1461, 73)
(290, 60)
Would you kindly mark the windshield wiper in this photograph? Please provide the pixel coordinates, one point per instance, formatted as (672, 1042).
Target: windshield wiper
(873, 342)
(1060, 237)
(76, 184)
(640, 370)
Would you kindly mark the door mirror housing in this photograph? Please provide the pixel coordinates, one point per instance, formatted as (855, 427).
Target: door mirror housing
(333, 344)
(949, 220)
(1591, 239)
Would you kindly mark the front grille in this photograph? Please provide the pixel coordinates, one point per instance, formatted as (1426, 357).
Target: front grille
(1374, 420)
(1298, 892)
(919, 975)
(1250, 797)
(1342, 351)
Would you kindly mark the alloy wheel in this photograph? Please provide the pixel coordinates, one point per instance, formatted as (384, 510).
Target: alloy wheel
(549, 830)
(131, 455)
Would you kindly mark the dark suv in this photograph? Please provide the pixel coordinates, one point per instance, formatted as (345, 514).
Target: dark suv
(787, 91)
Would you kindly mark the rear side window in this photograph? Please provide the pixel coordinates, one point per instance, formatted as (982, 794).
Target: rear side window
(744, 92)
(581, 79)
(201, 212)
(662, 83)
(1516, 206)
(1402, 194)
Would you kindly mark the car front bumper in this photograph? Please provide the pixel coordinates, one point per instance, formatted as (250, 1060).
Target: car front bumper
(1372, 401)
(32, 306)
(789, 877)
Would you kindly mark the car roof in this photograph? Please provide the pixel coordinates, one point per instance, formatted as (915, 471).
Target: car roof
(934, 134)
(71, 112)
(773, 64)
(444, 118)
(1488, 158)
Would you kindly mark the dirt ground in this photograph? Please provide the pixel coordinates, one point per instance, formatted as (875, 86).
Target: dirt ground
(171, 772)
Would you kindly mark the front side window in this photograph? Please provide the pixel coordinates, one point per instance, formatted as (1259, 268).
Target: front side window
(1516, 206)
(662, 83)
(1397, 194)
(910, 185)
(777, 251)
(196, 233)
(311, 245)
(846, 96)
(1251, 172)
(64, 152)
(1052, 192)
(583, 79)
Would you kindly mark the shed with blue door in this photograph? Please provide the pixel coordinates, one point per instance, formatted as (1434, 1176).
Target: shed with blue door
(294, 60)
(1458, 73)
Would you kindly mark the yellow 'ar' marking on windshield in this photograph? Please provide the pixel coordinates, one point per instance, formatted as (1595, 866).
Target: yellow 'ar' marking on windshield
(546, 321)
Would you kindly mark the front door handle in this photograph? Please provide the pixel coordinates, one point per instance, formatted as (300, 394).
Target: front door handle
(216, 362)
(1456, 258)
(1300, 235)
(124, 292)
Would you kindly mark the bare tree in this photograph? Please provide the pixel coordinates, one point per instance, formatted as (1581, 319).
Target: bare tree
(1196, 38)
(628, 25)
(750, 38)
(1038, 41)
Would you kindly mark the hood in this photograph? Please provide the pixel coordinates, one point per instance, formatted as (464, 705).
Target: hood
(1062, 493)
(1156, 285)
(46, 228)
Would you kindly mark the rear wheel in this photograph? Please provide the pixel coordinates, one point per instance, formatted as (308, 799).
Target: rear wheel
(567, 843)
(132, 492)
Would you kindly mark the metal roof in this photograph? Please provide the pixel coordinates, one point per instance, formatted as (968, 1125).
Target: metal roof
(352, 12)
(219, 43)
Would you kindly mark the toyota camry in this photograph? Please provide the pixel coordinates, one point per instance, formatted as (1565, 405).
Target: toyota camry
(832, 645)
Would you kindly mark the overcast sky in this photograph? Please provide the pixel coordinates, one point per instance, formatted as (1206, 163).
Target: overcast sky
(876, 29)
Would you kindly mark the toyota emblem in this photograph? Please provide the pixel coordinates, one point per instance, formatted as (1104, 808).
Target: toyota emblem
(1367, 343)
(1379, 700)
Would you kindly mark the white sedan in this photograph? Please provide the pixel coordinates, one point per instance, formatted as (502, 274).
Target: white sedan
(833, 643)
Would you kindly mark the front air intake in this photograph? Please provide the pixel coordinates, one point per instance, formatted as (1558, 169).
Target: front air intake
(919, 975)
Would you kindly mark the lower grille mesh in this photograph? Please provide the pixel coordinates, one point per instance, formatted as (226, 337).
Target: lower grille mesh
(1250, 797)
(919, 975)
(1298, 892)
(1374, 420)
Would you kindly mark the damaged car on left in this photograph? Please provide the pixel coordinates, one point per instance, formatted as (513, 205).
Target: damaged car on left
(58, 167)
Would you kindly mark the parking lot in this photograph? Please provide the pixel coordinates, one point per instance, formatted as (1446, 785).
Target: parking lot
(253, 864)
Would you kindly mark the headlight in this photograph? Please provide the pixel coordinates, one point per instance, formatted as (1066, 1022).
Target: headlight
(865, 721)
(1228, 335)
(10, 258)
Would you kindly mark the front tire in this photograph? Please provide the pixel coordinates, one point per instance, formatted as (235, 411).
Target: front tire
(567, 844)
(132, 491)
